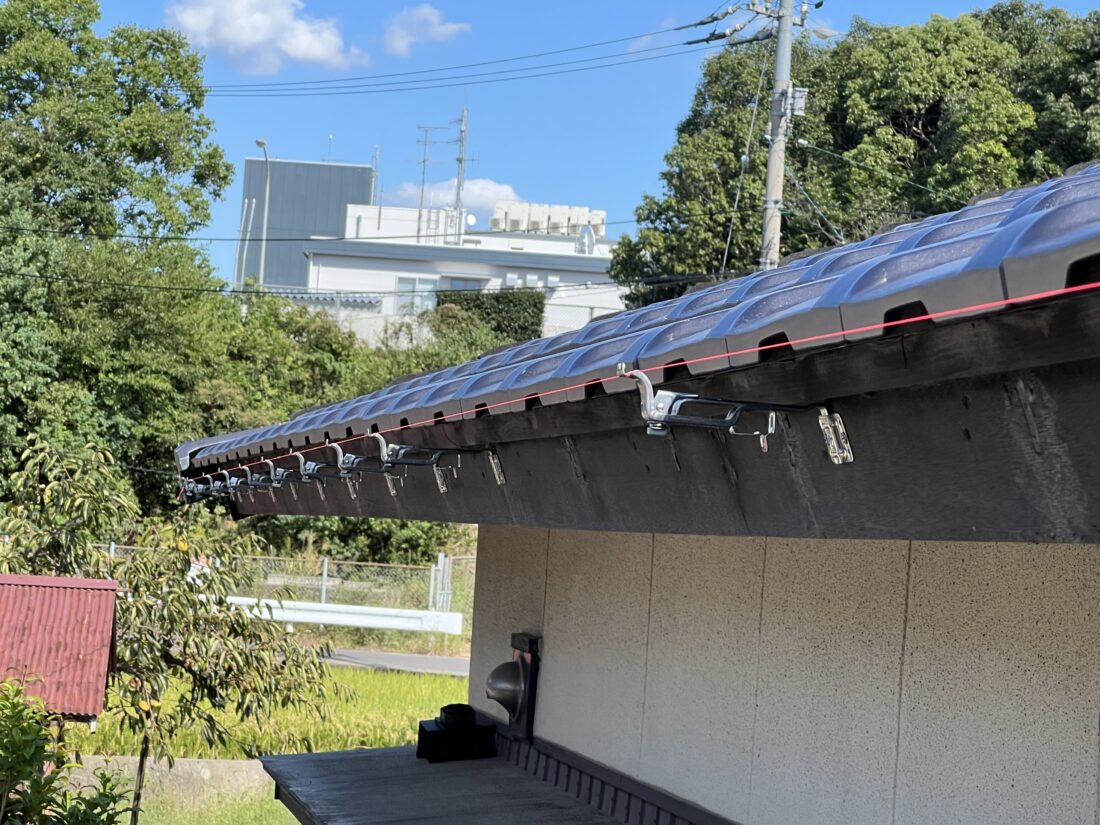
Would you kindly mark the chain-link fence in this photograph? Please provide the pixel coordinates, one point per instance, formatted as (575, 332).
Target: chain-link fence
(447, 585)
(341, 582)
(463, 571)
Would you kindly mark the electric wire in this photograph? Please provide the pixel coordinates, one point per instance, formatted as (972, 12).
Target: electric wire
(805, 144)
(428, 85)
(439, 69)
(150, 238)
(833, 234)
(84, 459)
(288, 292)
(745, 154)
(395, 84)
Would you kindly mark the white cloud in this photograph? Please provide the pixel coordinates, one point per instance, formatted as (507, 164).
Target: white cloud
(479, 195)
(258, 35)
(645, 41)
(419, 24)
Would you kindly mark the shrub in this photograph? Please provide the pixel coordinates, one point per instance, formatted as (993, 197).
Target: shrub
(515, 314)
(34, 771)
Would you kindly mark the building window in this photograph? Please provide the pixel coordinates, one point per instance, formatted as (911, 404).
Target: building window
(415, 295)
(464, 284)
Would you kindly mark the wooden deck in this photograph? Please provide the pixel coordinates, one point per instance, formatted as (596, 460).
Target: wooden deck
(392, 786)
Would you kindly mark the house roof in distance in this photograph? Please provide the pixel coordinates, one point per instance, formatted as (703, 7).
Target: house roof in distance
(57, 634)
(806, 333)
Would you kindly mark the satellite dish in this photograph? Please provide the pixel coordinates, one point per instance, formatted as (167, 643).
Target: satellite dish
(471, 219)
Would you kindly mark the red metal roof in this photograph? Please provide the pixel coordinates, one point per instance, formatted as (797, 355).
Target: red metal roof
(58, 634)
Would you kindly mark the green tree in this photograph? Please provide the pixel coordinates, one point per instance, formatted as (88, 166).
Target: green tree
(436, 339)
(1057, 73)
(100, 135)
(185, 654)
(35, 773)
(902, 122)
(108, 130)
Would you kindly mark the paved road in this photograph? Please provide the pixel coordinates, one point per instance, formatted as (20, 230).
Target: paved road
(411, 662)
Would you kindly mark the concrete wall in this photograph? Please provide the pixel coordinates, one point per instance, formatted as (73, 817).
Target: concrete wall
(776, 681)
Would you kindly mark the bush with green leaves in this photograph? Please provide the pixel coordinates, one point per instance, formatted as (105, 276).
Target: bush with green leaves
(35, 784)
(514, 314)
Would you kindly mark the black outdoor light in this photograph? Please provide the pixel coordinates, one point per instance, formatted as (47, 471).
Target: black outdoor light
(512, 684)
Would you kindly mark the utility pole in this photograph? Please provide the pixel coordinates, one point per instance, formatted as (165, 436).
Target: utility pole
(374, 177)
(427, 141)
(460, 177)
(780, 114)
(262, 143)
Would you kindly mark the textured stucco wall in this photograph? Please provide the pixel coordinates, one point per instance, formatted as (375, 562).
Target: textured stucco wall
(776, 681)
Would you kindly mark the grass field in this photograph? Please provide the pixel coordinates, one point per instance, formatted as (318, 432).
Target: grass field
(251, 809)
(381, 710)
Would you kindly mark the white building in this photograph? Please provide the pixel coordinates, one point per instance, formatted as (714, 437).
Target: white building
(392, 261)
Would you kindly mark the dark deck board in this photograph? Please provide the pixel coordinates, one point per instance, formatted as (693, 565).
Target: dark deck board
(391, 786)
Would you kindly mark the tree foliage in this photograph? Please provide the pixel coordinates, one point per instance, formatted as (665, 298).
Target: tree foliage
(514, 314)
(903, 121)
(105, 162)
(184, 654)
(35, 772)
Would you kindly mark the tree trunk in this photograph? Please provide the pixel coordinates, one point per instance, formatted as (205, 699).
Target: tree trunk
(139, 780)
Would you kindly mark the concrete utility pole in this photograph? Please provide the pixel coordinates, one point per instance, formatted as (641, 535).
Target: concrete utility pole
(267, 204)
(781, 110)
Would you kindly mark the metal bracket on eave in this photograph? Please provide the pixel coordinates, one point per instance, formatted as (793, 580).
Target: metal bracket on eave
(409, 455)
(836, 437)
(663, 409)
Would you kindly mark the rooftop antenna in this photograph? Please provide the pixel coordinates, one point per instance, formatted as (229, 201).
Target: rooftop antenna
(328, 153)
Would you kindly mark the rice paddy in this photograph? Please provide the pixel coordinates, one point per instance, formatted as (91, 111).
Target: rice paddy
(378, 709)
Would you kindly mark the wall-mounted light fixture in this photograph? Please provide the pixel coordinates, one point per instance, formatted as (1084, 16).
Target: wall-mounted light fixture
(513, 684)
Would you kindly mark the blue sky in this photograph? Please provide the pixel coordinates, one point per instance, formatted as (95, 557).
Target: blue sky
(594, 138)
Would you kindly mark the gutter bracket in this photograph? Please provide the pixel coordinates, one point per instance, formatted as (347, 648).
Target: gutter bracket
(663, 409)
(836, 437)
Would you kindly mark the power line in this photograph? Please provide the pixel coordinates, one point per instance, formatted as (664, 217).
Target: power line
(837, 236)
(745, 159)
(84, 459)
(805, 144)
(309, 83)
(291, 293)
(394, 85)
(131, 236)
(431, 85)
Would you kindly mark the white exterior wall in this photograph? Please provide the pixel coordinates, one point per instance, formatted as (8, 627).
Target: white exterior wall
(579, 297)
(777, 681)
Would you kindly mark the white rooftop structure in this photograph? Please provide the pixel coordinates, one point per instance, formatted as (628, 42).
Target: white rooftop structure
(392, 260)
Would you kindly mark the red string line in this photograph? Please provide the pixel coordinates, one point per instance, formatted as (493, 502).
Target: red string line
(809, 339)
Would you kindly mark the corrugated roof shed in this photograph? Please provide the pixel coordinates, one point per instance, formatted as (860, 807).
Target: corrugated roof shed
(58, 634)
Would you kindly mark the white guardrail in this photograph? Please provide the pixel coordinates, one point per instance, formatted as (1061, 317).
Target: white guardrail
(348, 615)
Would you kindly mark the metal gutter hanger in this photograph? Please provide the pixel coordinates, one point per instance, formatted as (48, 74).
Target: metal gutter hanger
(662, 409)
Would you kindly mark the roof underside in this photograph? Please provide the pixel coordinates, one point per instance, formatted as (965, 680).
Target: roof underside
(56, 634)
(939, 342)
